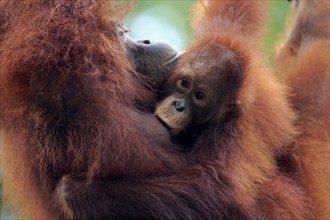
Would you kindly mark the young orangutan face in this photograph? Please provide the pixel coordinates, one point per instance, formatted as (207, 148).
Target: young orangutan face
(201, 89)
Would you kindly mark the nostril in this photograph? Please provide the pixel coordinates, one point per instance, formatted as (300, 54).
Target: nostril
(179, 105)
(144, 41)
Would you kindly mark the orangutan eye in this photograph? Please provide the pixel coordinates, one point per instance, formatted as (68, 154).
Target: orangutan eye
(122, 31)
(185, 83)
(200, 96)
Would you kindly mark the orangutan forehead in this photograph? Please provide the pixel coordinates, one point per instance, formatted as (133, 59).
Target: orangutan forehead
(209, 64)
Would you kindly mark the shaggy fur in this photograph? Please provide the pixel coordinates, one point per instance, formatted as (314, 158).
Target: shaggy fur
(75, 146)
(303, 62)
(67, 102)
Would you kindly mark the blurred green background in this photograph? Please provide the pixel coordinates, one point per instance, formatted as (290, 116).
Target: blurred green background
(169, 21)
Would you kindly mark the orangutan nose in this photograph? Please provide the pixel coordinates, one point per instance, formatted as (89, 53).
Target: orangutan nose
(179, 105)
(144, 41)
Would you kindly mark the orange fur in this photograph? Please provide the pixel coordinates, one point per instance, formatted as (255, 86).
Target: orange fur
(59, 119)
(249, 20)
(303, 62)
(248, 149)
(66, 102)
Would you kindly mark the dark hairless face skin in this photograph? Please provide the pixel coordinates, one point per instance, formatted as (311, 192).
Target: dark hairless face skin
(154, 60)
(201, 90)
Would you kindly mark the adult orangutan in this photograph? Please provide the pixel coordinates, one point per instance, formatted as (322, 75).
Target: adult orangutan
(235, 144)
(82, 149)
(303, 63)
(69, 103)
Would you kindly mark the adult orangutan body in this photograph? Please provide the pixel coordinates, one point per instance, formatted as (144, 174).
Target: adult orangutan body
(82, 149)
(303, 62)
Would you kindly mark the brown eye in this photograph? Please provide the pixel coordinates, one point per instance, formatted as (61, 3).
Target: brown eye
(200, 96)
(185, 83)
(121, 33)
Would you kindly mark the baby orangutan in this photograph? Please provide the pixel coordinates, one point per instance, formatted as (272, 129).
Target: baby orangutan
(202, 90)
(219, 103)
